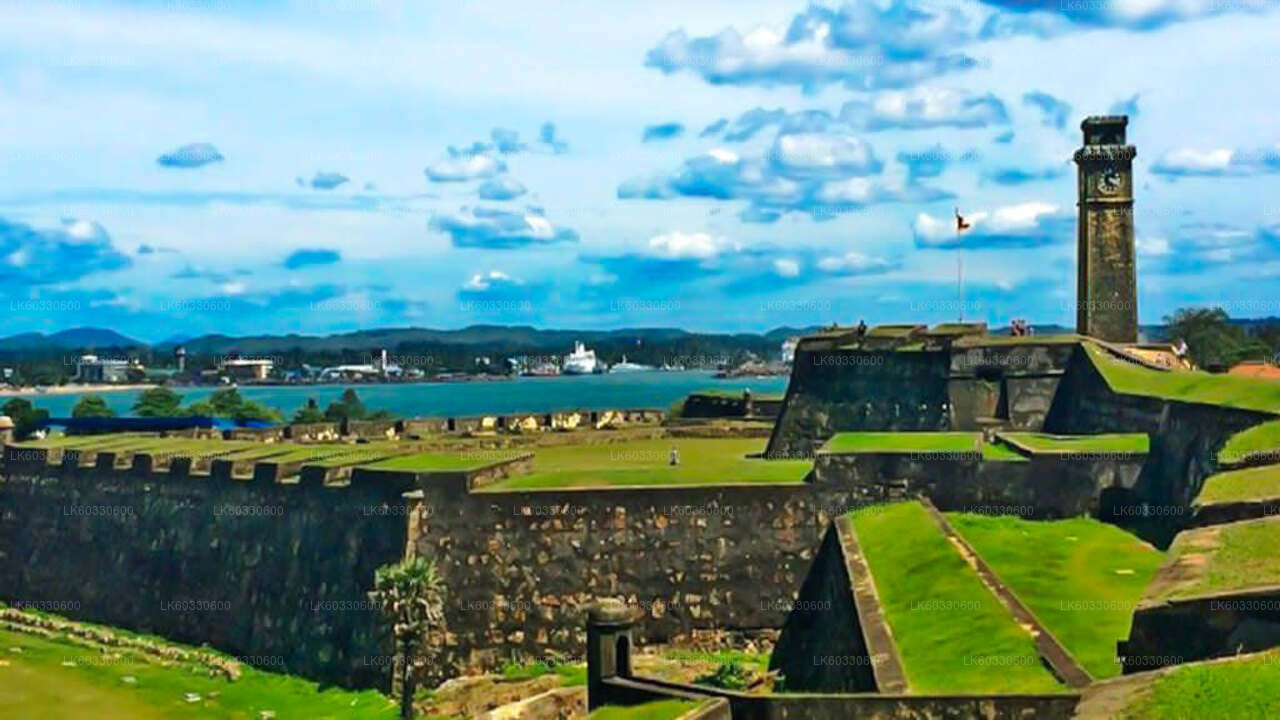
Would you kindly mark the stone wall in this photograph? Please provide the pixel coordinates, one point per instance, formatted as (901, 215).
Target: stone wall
(276, 574)
(832, 390)
(1185, 437)
(522, 567)
(1198, 628)
(1046, 486)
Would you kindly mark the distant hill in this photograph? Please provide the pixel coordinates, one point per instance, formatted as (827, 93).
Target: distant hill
(83, 338)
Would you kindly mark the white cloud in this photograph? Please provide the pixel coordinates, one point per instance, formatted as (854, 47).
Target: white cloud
(1152, 246)
(461, 166)
(678, 245)
(853, 263)
(1025, 224)
(786, 267)
(484, 281)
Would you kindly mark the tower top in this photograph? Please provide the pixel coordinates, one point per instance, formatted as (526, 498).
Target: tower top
(1104, 129)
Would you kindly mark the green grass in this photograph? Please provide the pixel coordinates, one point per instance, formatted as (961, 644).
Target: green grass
(1259, 438)
(571, 675)
(737, 394)
(1081, 577)
(1188, 386)
(1228, 690)
(703, 461)
(1260, 483)
(999, 452)
(952, 633)
(1137, 443)
(442, 461)
(901, 442)
(51, 679)
(1220, 558)
(663, 710)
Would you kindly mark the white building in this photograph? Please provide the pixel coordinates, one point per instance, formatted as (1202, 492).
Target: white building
(93, 369)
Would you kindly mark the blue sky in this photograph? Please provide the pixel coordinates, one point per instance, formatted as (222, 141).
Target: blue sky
(172, 169)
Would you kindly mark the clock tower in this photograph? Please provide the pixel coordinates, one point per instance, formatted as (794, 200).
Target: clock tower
(1107, 286)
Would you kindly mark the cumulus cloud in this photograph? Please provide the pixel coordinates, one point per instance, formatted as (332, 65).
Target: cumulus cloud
(1218, 162)
(308, 257)
(500, 229)
(860, 45)
(687, 246)
(854, 263)
(786, 267)
(193, 155)
(36, 256)
(1053, 111)
(664, 131)
(823, 174)
(501, 188)
(1129, 14)
(462, 164)
(1152, 246)
(327, 180)
(482, 282)
(932, 161)
(925, 108)
(1029, 224)
(506, 141)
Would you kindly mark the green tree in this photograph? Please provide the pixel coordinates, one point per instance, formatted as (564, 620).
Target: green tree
(250, 410)
(348, 407)
(309, 413)
(92, 406)
(1213, 341)
(26, 417)
(410, 595)
(158, 402)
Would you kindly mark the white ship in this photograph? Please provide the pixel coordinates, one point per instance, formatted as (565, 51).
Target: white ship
(580, 362)
(626, 367)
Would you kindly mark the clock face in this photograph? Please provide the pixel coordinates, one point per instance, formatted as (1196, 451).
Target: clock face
(1109, 181)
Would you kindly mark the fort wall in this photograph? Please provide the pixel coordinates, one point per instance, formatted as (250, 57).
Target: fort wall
(276, 574)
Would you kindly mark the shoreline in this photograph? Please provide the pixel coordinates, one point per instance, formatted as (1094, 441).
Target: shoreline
(48, 390)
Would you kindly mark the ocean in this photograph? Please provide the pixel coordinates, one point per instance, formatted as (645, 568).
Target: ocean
(651, 389)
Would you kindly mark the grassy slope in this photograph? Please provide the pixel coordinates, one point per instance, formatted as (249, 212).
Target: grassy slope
(855, 442)
(1000, 453)
(1242, 555)
(646, 462)
(1105, 443)
(664, 710)
(428, 461)
(1235, 690)
(1066, 571)
(1259, 438)
(1260, 483)
(954, 636)
(38, 683)
(1201, 387)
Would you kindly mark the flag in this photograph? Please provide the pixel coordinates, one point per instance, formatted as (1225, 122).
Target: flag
(961, 224)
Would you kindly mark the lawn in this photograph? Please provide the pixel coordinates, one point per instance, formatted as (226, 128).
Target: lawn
(1081, 577)
(663, 710)
(737, 394)
(1259, 438)
(444, 461)
(999, 452)
(1260, 483)
(703, 461)
(903, 442)
(1226, 690)
(51, 679)
(1188, 386)
(1128, 443)
(952, 633)
(1220, 558)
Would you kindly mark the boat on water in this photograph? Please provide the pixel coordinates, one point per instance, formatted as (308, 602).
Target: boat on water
(625, 367)
(580, 362)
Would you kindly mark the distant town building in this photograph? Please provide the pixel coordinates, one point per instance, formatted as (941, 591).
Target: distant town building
(93, 369)
(180, 355)
(789, 349)
(246, 368)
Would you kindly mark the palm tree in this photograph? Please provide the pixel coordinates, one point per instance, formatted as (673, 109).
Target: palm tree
(410, 594)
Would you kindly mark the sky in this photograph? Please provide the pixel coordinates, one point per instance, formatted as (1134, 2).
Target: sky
(173, 169)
